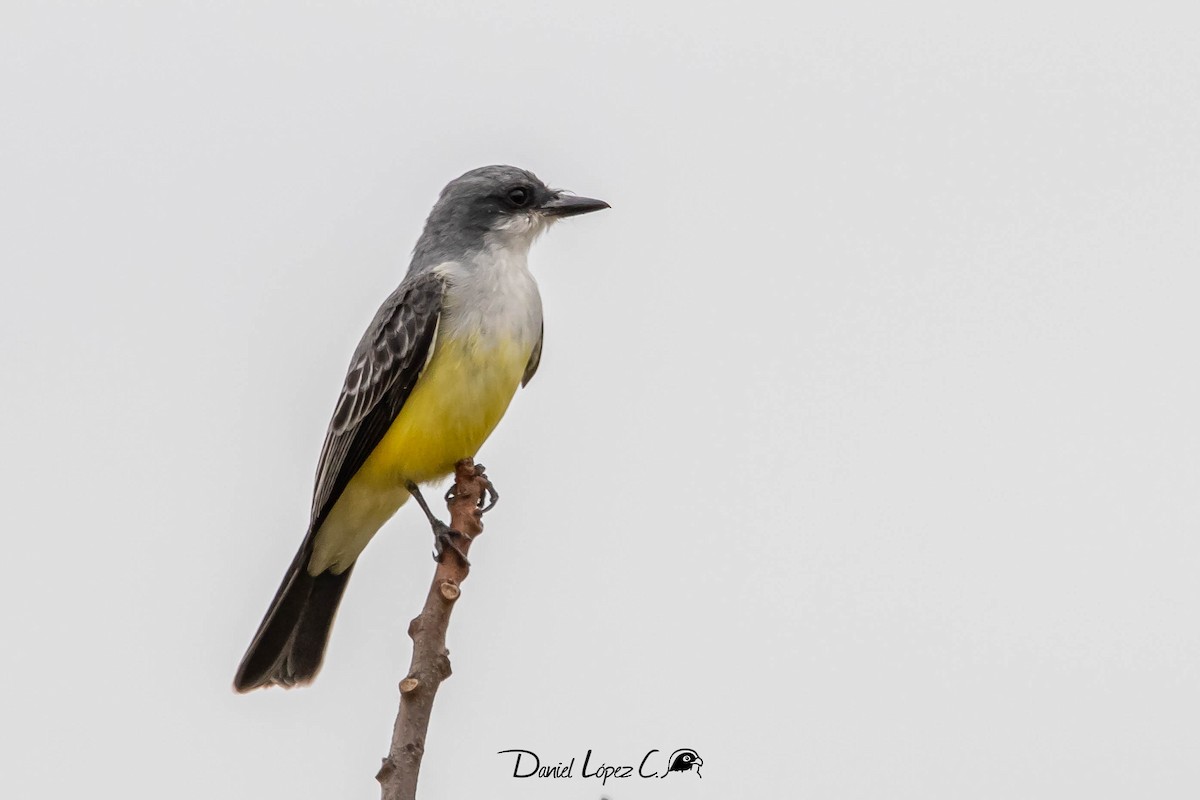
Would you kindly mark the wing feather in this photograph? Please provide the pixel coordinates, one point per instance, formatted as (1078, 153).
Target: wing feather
(535, 358)
(383, 370)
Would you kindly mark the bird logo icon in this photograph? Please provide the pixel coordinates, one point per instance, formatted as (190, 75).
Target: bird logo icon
(683, 761)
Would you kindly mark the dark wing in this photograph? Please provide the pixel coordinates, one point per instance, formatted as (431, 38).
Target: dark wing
(385, 367)
(535, 357)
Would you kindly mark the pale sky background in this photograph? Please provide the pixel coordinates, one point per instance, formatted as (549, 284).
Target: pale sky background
(863, 457)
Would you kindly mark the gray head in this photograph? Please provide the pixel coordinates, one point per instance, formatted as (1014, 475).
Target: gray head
(494, 206)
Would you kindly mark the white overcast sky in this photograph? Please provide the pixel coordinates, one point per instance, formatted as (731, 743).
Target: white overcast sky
(863, 458)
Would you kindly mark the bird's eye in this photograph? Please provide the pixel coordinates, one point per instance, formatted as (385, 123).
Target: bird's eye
(520, 196)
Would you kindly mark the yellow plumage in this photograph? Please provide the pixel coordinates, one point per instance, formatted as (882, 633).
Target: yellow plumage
(455, 406)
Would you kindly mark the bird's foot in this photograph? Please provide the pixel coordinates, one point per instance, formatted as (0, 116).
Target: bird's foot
(490, 492)
(446, 538)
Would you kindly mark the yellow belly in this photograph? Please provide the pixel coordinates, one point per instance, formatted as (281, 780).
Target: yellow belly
(455, 406)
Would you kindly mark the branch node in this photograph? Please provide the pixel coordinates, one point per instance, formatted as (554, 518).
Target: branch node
(443, 665)
(450, 591)
(408, 684)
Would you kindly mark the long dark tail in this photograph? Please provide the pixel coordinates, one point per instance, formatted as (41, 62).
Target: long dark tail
(290, 643)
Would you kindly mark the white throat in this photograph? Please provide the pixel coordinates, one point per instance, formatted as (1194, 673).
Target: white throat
(492, 294)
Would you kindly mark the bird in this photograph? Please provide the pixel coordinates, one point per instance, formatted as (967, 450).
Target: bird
(427, 384)
(684, 760)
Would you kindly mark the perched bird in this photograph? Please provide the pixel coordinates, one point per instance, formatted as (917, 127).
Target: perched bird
(433, 374)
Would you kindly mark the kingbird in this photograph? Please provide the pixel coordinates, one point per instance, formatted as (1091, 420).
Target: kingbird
(431, 377)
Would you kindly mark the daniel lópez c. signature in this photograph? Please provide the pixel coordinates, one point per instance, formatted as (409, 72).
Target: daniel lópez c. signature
(528, 764)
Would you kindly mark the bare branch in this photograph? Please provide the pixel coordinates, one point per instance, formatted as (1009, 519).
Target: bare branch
(430, 658)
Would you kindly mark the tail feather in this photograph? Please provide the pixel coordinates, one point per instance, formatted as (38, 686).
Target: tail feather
(290, 643)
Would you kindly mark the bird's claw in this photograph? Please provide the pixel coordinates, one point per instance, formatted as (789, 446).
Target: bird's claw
(446, 538)
(489, 490)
